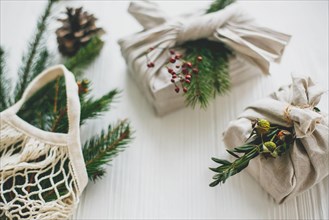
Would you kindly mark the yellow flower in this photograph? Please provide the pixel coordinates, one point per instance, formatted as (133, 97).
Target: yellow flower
(262, 126)
(269, 149)
(270, 145)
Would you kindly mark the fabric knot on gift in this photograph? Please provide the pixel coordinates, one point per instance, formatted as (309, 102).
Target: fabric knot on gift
(303, 119)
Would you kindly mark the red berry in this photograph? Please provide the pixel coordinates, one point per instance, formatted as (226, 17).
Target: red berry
(150, 64)
(151, 48)
(178, 56)
(172, 60)
(188, 76)
(195, 70)
(199, 58)
(189, 64)
(174, 76)
(170, 70)
(172, 80)
(188, 81)
(185, 89)
(184, 65)
(172, 52)
(185, 71)
(177, 89)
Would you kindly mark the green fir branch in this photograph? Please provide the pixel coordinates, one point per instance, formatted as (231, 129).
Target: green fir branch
(101, 149)
(85, 56)
(44, 117)
(41, 62)
(29, 60)
(5, 84)
(218, 5)
(213, 77)
(92, 108)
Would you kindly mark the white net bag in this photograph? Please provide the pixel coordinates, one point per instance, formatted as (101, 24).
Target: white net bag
(42, 174)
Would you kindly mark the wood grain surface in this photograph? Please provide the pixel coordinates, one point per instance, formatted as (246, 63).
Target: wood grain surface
(164, 173)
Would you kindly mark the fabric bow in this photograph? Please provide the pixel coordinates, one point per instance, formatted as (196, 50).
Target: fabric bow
(291, 106)
(230, 25)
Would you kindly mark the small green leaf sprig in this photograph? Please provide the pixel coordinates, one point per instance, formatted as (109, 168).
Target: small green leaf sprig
(269, 141)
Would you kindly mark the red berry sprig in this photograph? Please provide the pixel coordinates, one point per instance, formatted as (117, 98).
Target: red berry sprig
(150, 64)
(181, 70)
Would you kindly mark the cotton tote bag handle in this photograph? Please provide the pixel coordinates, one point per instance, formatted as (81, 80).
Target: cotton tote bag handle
(73, 111)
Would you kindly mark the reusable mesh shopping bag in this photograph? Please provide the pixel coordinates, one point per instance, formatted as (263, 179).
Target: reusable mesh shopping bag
(42, 174)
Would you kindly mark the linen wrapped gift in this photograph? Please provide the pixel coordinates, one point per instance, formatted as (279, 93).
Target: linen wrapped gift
(306, 163)
(254, 47)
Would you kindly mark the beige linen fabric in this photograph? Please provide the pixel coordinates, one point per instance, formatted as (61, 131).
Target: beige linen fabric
(42, 174)
(254, 46)
(307, 161)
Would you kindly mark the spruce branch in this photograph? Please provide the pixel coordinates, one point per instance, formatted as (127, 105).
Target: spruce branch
(101, 149)
(41, 62)
(50, 96)
(213, 77)
(219, 5)
(85, 56)
(92, 108)
(5, 83)
(33, 50)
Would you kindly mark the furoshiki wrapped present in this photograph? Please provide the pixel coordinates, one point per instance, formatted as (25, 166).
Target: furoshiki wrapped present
(306, 162)
(254, 47)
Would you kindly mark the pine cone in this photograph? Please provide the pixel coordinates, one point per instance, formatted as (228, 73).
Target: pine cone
(77, 29)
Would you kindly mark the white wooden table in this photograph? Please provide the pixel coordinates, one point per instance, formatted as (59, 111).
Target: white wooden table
(164, 173)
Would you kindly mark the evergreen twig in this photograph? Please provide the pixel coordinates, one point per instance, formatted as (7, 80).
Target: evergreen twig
(218, 5)
(85, 56)
(214, 76)
(101, 149)
(92, 108)
(5, 87)
(34, 48)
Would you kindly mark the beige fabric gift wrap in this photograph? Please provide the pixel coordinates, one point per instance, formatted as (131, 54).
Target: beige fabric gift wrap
(254, 46)
(307, 161)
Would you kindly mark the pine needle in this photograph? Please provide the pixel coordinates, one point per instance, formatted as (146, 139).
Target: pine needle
(218, 5)
(5, 84)
(101, 149)
(92, 108)
(85, 56)
(35, 50)
(213, 77)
